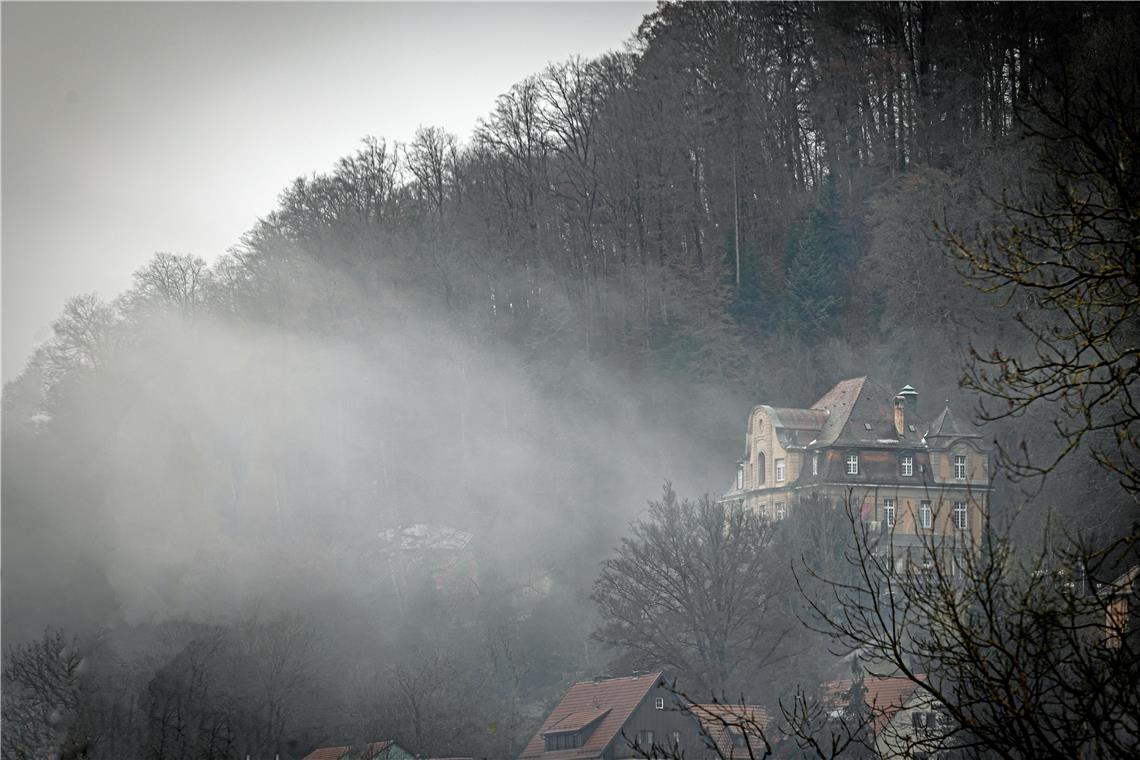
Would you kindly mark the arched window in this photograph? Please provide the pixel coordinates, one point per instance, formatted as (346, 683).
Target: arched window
(760, 468)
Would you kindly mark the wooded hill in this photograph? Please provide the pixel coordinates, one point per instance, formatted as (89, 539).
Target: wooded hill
(522, 333)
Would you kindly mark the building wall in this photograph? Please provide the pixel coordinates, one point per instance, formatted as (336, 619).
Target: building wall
(646, 717)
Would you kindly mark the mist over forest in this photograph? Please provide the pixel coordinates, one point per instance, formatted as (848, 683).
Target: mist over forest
(498, 348)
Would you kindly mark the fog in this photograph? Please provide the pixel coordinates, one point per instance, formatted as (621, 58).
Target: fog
(366, 475)
(252, 463)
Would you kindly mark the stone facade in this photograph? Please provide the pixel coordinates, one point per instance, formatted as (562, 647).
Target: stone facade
(864, 446)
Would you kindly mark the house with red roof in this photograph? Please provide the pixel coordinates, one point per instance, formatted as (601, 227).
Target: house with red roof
(734, 731)
(864, 446)
(613, 718)
(904, 720)
(380, 750)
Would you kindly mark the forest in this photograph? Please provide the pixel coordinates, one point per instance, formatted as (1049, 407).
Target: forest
(357, 478)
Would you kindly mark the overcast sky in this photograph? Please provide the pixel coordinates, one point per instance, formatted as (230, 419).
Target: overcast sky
(141, 127)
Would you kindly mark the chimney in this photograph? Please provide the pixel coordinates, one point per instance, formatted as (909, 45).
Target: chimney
(906, 409)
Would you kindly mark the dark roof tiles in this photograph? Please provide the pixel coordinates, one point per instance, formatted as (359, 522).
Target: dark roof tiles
(838, 403)
(946, 424)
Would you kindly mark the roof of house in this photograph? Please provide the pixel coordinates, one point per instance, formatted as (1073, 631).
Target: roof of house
(576, 721)
(719, 721)
(1124, 583)
(884, 695)
(608, 703)
(946, 424)
(367, 752)
(838, 403)
(800, 419)
(855, 412)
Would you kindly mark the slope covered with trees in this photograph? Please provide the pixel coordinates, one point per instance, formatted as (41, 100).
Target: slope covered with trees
(520, 335)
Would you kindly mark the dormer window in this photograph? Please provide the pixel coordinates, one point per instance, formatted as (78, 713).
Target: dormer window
(740, 478)
(815, 464)
(960, 467)
(906, 466)
(852, 464)
(562, 740)
(779, 470)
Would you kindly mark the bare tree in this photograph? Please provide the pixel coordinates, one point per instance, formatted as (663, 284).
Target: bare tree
(83, 335)
(174, 281)
(1068, 259)
(43, 699)
(1013, 652)
(689, 591)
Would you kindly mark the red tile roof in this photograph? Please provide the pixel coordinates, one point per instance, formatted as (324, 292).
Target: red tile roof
(576, 721)
(719, 721)
(885, 695)
(369, 752)
(612, 699)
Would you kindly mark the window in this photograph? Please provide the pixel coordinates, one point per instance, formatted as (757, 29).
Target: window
(779, 470)
(780, 512)
(960, 467)
(960, 515)
(925, 517)
(645, 739)
(740, 477)
(815, 464)
(760, 468)
(659, 703)
(564, 740)
(852, 464)
(889, 511)
(906, 466)
(676, 738)
(738, 740)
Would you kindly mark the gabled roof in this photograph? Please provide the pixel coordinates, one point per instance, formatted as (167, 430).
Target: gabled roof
(611, 701)
(719, 721)
(884, 696)
(367, 752)
(947, 425)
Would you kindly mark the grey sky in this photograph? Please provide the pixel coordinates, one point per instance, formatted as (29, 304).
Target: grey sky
(141, 127)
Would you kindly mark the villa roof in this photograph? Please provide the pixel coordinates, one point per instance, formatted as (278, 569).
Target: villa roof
(947, 424)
